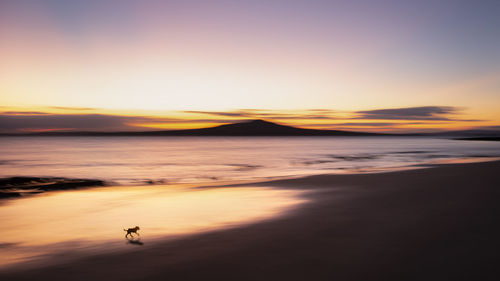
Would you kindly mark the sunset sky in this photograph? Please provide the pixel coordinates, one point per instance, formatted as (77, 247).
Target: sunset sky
(399, 66)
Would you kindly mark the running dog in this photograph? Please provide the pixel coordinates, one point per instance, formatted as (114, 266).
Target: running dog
(132, 230)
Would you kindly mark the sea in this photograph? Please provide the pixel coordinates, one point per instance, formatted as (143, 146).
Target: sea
(173, 160)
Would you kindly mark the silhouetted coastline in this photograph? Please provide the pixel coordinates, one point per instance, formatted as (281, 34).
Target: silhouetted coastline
(265, 129)
(249, 128)
(481, 139)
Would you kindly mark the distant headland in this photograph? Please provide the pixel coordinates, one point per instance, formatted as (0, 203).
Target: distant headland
(260, 127)
(246, 128)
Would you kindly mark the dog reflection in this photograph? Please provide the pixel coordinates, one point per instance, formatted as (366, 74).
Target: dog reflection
(135, 241)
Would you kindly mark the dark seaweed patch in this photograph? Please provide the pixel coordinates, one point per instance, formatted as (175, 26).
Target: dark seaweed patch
(18, 186)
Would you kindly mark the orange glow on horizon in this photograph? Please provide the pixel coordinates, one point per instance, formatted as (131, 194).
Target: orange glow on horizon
(137, 120)
(174, 126)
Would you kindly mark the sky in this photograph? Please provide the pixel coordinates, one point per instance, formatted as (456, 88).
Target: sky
(394, 66)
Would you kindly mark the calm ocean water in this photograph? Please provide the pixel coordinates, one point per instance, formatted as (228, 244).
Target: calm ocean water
(137, 160)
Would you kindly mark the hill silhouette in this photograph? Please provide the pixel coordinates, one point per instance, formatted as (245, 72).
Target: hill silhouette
(247, 128)
(258, 128)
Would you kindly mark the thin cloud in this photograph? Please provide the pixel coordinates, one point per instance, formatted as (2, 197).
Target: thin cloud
(88, 122)
(24, 113)
(72, 108)
(363, 124)
(428, 113)
(218, 113)
(313, 114)
(379, 124)
(385, 124)
(96, 122)
(155, 120)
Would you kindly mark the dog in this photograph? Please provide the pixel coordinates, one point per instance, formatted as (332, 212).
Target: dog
(132, 230)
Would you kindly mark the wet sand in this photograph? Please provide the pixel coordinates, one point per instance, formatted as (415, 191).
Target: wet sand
(441, 223)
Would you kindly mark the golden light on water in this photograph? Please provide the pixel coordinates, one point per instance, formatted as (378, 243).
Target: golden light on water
(93, 220)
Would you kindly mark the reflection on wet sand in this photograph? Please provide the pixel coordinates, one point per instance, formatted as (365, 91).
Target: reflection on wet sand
(90, 221)
(134, 241)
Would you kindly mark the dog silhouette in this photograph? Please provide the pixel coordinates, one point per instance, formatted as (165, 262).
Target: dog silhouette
(132, 230)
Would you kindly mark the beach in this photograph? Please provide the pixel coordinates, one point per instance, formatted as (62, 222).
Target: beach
(438, 223)
(249, 140)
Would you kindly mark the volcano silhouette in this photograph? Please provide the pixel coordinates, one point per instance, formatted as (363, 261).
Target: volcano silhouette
(246, 128)
(255, 128)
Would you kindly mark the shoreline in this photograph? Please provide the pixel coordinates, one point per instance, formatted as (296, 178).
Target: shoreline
(15, 187)
(439, 223)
